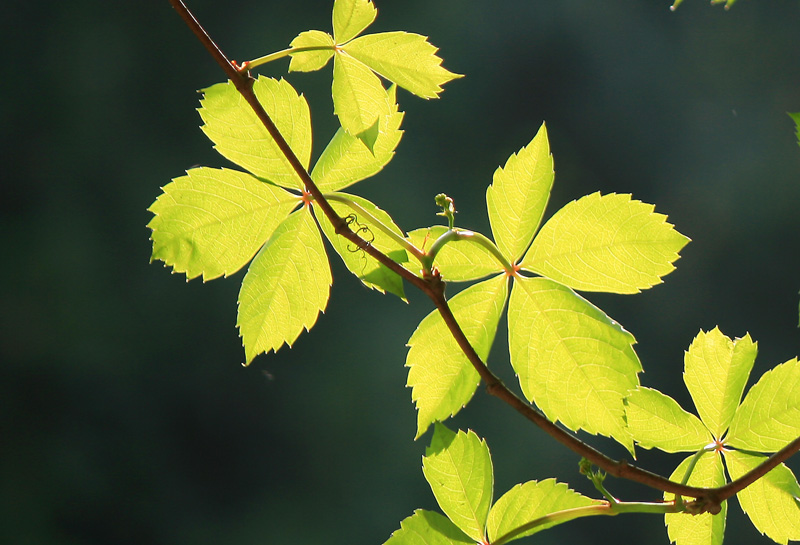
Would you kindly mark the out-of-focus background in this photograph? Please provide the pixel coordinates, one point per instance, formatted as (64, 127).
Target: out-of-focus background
(125, 414)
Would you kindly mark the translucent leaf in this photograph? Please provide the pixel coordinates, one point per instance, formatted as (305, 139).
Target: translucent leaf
(572, 360)
(440, 375)
(530, 501)
(351, 17)
(428, 528)
(705, 529)
(772, 502)
(518, 196)
(370, 272)
(213, 221)
(285, 288)
(240, 137)
(605, 243)
(346, 160)
(769, 417)
(796, 118)
(403, 58)
(656, 420)
(460, 260)
(459, 469)
(359, 99)
(715, 372)
(308, 61)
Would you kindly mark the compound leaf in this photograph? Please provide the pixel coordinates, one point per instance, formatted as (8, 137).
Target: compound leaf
(715, 372)
(518, 196)
(572, 360)
(527, 502)
(704, 529)
(769, 417)
(796, 118)
(351, 17)
(213, 221)
(285, 288)
(605, 243)
(458, 467)
(772, 502)
(428, 528)
(459, 260)
(440, 375)
(656, 420)
(309, 61)
(359, 99)
(404, 58)
(240, 136)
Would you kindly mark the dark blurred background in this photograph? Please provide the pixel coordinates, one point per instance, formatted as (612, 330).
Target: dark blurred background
(125, 413)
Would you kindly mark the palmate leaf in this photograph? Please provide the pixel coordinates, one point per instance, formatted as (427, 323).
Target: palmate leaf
(240, 136)
(459, 260)
(518, 196)
(530, 501)
(656, 420)
(458, 467)
(572, 360)
(605, 243)
(359, 99)
(428, 528)
(440, 375)
(309, 61)
(211, 222)
(705, 529)
(285, 288)
(769, 417)
(796, 118)
(772, 502)
(351, 17)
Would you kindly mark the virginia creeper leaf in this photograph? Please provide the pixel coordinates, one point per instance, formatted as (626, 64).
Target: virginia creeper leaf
(772, 502)
(370, 272)
(518, 196)
(351, 17)
(440, 375)
(308, 61)
(705, 529)
(458, 467)
(796, 118)
(428, 528)
(403, 58)
(656, 420)
(769, 417)
(240, 137)
(715, 372)
(460, 260)
(359, 99)
(605, 243)
(285, 288)
(213, 221)
(346, 160)
(530, 501)
(572, 360)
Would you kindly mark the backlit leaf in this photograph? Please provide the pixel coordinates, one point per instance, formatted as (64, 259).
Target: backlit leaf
(351, 17)
(656, 420)
(428, 528)
(308, 61)
(359, 99)
(213, 221)
(572, 360)
(605, 243)
(459, 260)
(796, 118)
(440, 375)
(458, 468)
(518, 196)
(705, 529)
(285, 288)
(241, 137)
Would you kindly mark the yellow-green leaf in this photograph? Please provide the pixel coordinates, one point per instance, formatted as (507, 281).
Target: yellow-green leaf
(308, 61)
(359, 99)
(351, 17)
(705, 529)
(656, 420)
(459, 260)
(428, 528)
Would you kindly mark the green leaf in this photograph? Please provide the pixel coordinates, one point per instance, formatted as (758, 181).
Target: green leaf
(518, 196)
(656, 420)
(428, 528)
(772, 502)
(359, 99)
(368, 270)
(715, 372)
(605, 243)
(403, 58)
(351, 17)
(239, 135)
(285, 288)
(769, 417)
(458, 468)
(213, 221)
(308, 61)
(459, 260)
(440, 375)
(346, 160)
(530, 501)
(573, 361)
(796, 118)
(705, 529)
